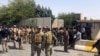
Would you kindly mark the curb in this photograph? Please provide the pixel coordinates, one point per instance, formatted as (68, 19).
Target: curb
(85, 45)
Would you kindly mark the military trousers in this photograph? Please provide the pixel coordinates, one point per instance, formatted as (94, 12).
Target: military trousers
(20, 42)
(35, 48)
(48, 50)
(4, 44)
(66, 46)
(28, 38)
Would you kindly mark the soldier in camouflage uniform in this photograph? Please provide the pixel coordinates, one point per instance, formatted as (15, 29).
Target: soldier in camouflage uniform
(20, 37)
(14, 35)
(28, 34)
(49, 39)
(36, 42)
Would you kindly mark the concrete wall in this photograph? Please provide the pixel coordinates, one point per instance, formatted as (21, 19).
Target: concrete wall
(42, 21)
(95, 30)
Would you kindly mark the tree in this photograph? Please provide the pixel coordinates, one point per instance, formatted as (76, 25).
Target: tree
(40, 11)
(69, 19)
(16, 11)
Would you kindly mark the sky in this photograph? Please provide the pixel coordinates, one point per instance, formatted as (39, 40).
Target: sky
(88, 8)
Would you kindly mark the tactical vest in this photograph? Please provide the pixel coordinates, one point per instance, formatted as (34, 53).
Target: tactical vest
(49, 37)
(14, 32)
(28, 31)
(38, 37)
(20, 32)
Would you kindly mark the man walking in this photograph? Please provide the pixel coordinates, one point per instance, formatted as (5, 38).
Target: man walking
(5, 34)
(14, 35)
(36, 42)
(48, 45)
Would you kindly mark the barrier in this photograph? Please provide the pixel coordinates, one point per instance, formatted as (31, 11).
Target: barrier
(85, 45)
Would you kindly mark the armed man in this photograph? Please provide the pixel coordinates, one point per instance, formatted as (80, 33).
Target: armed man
(14, 35)
(49, 40)
(20, 37)
(28, 30)
(36, 42)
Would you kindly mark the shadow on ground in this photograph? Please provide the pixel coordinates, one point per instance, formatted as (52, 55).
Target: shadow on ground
(1, 52)
(58, 50)
(11, 47)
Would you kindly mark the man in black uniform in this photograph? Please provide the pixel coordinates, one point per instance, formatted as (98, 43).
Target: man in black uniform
(5, 34)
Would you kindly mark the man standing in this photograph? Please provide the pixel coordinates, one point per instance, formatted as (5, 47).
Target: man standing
(66, 39)
(49, 39)
(20, 37)
(60, 36)
(5, 34)
(14, 35)
(36, 42)
(76, 37)
(28, 30)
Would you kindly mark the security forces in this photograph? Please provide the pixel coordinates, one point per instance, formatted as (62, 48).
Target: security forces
(48, 46)
(5, 33)
(49, 39)
(36, 42)
(14, 35)
(28, 30)
(20, 37)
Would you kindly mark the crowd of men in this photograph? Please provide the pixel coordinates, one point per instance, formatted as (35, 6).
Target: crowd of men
(40, 38)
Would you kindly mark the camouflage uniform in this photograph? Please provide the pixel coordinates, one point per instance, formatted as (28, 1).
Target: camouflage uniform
(20, 37)
(28, 34)
(60, 37)
(36, 43)
(49, 40)
(14, 35)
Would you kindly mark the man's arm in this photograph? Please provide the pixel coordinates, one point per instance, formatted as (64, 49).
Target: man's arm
(54, 37)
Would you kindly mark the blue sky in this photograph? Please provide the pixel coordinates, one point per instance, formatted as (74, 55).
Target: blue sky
(89, 8)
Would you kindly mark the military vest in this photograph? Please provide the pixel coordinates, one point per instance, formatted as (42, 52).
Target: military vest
(20, 32)
(28, 31)
(38, 37)
(15, 32)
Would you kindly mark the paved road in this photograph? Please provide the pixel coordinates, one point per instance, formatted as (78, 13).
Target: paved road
(57, 51)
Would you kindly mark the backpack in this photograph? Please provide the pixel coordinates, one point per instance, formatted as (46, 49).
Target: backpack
(49, 37)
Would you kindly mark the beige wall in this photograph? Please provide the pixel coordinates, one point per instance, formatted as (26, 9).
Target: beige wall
(42, 21)
(58, 23)
(96, 31)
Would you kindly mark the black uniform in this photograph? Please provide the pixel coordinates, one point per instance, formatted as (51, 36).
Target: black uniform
(1, 33)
